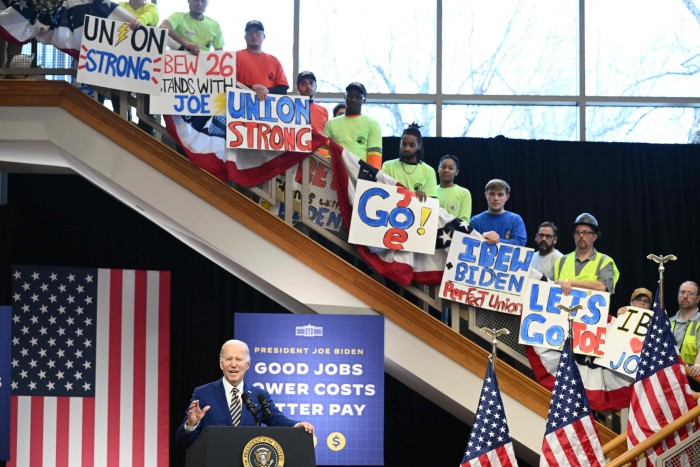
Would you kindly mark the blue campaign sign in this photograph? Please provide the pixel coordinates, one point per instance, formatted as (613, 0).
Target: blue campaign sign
(327, 370)
(5, 351)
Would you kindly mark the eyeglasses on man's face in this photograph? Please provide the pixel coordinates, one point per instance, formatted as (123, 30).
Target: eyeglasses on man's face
(543, 235)
(687, 293)
(583, 233)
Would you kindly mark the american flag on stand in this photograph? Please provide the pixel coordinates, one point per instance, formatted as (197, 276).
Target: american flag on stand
(90, 367)
(489, 442)
(661, 392)
(571, 437)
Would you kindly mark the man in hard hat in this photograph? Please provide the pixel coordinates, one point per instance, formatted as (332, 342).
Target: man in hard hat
(585, 267)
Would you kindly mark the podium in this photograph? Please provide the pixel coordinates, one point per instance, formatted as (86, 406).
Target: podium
(233, 446)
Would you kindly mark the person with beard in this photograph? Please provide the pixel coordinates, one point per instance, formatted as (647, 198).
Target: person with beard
(685, 325)
(545, 240)
(306, 86)
(585, 267)
(409, 169)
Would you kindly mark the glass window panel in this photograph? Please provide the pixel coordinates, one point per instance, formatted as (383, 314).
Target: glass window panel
(387, 45)
(642, 124)
(511, 121)
(510, 47)
(642, 48)
(394, 118)
(276, 16)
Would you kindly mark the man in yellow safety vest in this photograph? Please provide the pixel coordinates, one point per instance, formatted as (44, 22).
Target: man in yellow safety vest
(585, 267)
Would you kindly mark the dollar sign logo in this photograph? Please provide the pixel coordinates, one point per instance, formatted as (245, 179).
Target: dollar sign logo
(335, 441)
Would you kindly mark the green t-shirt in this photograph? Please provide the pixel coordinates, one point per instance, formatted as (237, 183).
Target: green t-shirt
(457, 201)
(205, 33)
(147, 14)
(415, 177)
(358, 134)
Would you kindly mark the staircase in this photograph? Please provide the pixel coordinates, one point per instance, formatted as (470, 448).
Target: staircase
(52, 127)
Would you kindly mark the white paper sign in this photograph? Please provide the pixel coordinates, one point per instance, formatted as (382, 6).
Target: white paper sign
(494, 277)
(625, 340)
(280, 123)
(195, 84)
(543, 324)
(388, 216)
(114, 56)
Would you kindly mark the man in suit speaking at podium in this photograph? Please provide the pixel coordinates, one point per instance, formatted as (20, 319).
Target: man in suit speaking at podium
(228, 401)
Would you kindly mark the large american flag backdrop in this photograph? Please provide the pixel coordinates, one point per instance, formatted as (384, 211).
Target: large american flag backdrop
(90, 367)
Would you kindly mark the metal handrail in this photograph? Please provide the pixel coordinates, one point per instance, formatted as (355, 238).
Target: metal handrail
(651, 441)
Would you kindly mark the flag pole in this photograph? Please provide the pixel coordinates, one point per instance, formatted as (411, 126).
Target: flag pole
(494, 334)
(661, 260)
(570, 318)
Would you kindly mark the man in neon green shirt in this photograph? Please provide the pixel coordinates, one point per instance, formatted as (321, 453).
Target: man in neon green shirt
(146, 14)
(409, 169)
(194, 31)
(359, 134)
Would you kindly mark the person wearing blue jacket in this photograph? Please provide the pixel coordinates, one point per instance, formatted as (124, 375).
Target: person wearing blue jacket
(496, 224)
(223, 402)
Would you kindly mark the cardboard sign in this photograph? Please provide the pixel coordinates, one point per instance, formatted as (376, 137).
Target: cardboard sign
(195, 84)
(388, 216)
(625, 340)
(543, 324)
(114, 56)
(280, 123)
(486, 276)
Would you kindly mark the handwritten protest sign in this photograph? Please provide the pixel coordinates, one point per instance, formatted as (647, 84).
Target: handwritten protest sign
(114, 56)
(486, 276)
(280, 123)
(624, 341)
(543, 324)
(324, 209)
(195, 84)
(388, 216)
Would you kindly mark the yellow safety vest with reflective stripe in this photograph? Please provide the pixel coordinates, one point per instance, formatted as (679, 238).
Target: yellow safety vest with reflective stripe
(565, 267)
(689, 346)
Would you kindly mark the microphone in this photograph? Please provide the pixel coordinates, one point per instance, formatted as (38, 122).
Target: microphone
(250, 405)
(265, 405)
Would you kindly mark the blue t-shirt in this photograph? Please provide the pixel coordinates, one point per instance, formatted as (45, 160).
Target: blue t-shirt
(509, 226)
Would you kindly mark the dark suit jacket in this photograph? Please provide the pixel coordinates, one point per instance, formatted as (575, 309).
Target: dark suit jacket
(213, 395)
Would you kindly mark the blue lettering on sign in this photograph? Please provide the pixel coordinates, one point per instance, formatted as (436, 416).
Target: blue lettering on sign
(123, 66)
(468, 254)
(382, 218)
(629, 364)
(400, 218)
(325, 217)
(594, 303)
(247, 106)
(192, 105)
(554, 335)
